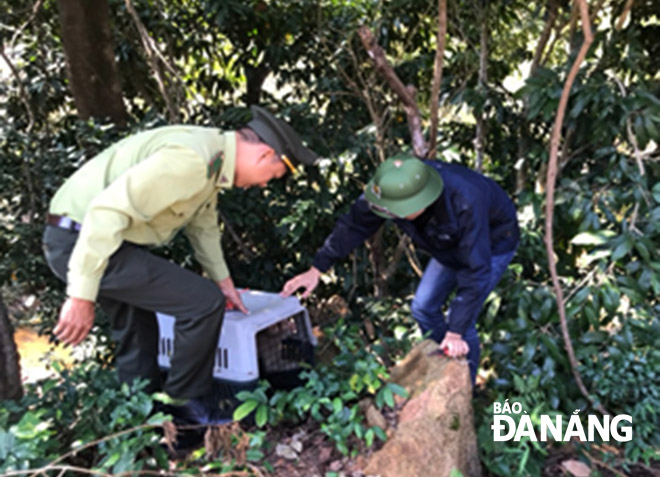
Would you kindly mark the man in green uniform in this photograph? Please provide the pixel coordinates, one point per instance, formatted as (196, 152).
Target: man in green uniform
(140, 192)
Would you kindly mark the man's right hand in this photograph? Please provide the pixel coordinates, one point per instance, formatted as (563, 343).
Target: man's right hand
(76, 319)
(308, 280)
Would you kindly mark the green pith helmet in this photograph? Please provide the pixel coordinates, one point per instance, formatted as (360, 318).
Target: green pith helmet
(281, 137)
(402, 186)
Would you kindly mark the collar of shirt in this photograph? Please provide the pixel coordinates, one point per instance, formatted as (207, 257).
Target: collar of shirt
(225, 178)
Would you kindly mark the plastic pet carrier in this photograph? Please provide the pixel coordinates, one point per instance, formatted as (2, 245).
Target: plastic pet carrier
(269, 343)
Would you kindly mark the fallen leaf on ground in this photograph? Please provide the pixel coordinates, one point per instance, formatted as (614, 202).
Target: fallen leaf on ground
(576, 468)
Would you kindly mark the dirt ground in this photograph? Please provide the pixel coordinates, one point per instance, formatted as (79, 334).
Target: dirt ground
(315, 456)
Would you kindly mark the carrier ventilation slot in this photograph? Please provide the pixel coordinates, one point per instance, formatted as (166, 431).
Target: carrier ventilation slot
(221, 358)
(166, 347)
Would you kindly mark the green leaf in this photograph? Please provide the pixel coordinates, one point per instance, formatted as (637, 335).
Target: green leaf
(579, 106)
(591, 337)
(369, 437)
(656, 192)
(112, 460)
(341, 447)
(254, 455)
(592, 238)
(380, 433)
(388, 396)
(398, 390)
(337, 405)
(455, 473)
(244, 410)
(622, 249)
(643, 250)
(244, 395)
(262, 415)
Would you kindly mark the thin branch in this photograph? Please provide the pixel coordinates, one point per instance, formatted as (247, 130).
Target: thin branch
(246, 251)
(363, 91)
(437, 75)
(25, 165)
(21, 89)
(558, 34)
(98, 441)
(550, 193)
(631, 136)
(81, 470)
(545, 36)
(579, 286)
(17, 33)
(410, 255)
(406, 94)
(653, 154)
(151, 50)
(404, 241)
(479, 140)
(624, 15)
(62, 468)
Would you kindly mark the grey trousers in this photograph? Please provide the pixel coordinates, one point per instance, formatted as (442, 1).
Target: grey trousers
(136, 284)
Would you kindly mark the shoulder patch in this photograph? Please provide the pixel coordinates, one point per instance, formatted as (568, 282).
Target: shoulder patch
(214, 164)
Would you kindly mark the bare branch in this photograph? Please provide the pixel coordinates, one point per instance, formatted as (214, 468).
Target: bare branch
(404, 242)
(152, 51)
(410, 255)
(98, 441)
(237, 239)
(17, 33)
(545, 36)
(479, 140)
(550, 193)
(25, 166)
(437, 75)
(629, 131)
(624, 15)
(21, 89)
(406, 94)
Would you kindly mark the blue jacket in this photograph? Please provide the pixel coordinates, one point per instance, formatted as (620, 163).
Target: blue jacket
(472, 220)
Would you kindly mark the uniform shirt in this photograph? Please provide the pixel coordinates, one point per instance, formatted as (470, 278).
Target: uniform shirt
(144, 189)
(471, 221)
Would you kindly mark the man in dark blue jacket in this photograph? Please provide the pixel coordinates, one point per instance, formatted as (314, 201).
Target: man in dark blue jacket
(464, 220)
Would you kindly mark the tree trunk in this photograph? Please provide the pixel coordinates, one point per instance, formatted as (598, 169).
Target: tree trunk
(480, 138)
(255, 81)
(10, 370)
(90, 58)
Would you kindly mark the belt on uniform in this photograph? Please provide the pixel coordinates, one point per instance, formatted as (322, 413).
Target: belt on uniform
(63, 222)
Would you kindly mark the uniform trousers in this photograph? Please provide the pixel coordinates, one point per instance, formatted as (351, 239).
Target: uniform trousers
(432, 292)
(135, 285)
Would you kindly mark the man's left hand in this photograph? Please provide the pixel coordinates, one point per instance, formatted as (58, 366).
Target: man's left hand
(454, 346)
(231, 294)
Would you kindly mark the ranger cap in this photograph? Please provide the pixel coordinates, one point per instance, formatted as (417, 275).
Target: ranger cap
(281, 137)
(402, 186)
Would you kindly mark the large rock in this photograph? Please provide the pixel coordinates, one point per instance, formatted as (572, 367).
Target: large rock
(436, 431)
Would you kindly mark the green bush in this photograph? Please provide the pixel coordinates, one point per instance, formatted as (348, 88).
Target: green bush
(59, 415)
(624, 377)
